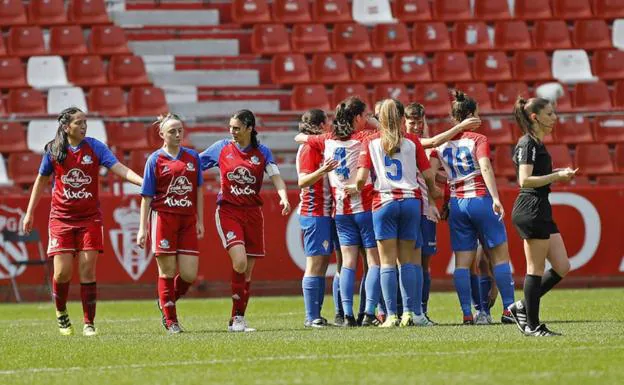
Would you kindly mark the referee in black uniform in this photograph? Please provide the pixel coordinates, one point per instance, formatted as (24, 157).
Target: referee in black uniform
(532, 213)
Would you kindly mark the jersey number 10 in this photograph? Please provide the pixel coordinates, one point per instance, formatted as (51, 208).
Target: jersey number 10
(459, 161)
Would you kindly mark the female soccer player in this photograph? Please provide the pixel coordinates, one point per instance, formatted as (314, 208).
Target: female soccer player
(75, 227)
(475, 209)
(532, 213)
(242, 162)
(172, 191)
(397, 159)
(315, 210)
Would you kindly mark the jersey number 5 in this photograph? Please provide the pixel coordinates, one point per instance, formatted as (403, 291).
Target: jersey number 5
(459, 161)
(389, 162)
(340, 154)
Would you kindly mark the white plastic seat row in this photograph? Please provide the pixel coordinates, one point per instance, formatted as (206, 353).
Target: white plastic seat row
(40, 132)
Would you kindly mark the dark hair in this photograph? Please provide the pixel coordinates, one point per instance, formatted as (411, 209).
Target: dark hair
(311, 121)
(400, 107)
(524, 108)
(415, 110)
(249, 120)
(463, 106)
(57, 147)
(346, 112)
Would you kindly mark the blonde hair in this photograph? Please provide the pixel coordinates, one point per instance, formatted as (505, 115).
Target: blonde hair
(164, 118)
(391, 132)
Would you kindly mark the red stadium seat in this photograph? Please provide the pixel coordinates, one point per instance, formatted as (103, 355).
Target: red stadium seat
(607, 64)
(2, 47)
(618, 94)
(610, 180)
(25, 41)
(491, 66)
(12, 137)
(138, 159)
(350, 37)
(289, 69)
(269, 39)
(498, 131)
(86, 71)
(12, 74)
(291, 11)
(67, 40)
(619, 158)
(331, 11)
(573, 130)
(108, 40)
(391, 38)
(391, 90)
(23, 167)
(451, 67)
(343, 91)
(571, 9)
(471, 36)
(448, 10)
(88, 12)
(431, 36)
(107, 101)
(330, 68)
(479, 92)
(551, 35)
(609, 129)
(503, 163)
(491, 10)
(12, 13)
(27, 102)
(593, 159)
(370, 68)
(512, 35)
(592, 97)
(532, 9)
(609, 9)
(310, 38)
(410, 68)
(305, 97)
(147, 101)
(591, 34)
(531, 66)
(127, 71)
(127, 135)
(250, 11)
(46, 12)
(412, 10)
(560, 156)
(435, 98)
(505, 95)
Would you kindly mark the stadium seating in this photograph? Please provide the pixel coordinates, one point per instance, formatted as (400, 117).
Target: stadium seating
(412, 10)
(491, 66)
(269, 39)
(12, 137)
(343, 91)
(305, 97)
(330, 68)
(372, 12)
(593, 159)
(391, 90)
(498, 131)
(571, 9)
(12, 13)
(87, 12)
(531, 66)
(505, 95)
(491, 10)
(618, 95)
(435, 98)
(608, 9)
(107, 40)
(512, 35)
(431, 36)
(480, 93)
(410, 68)
(126, 136)
(609, 129)
(138, 158)
(107, 101)
(560, 156)
(250, 11)
(451, 67)
(289, 69)
(86, 71)
(25, 41)
(350, 37)
(5, 182)
(503, 163)
(451, 10)
(67, 40)
(147, 101)
(532, 9)
(573, 130)
(331, 11)
(391, 38)
(127, 71)
(46, 71)
(39, 133)
(551, 35)
(61, 97)
(572, 66)
(607, 64)
(370, 68)
(310, 38)
(471, 36)
(291, 11)
(592, 97)
(46, 12)
(591, 34)
(27, 102)
(12, 74)
(619, 158)
(23, 167)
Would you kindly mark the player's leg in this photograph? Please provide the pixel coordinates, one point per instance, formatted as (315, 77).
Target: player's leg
(87, 260)
(429, 249)
(188, 256)
(167, 265)
(317, 247)
(475, 292)
(369, 297)
(339, 314)
(63, 268)
(558, 258)
(362, 291)
(350, 242)
(388, 254)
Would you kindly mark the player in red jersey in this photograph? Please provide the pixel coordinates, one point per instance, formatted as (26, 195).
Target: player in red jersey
(242, 162)
(172, 189)
(75, 227)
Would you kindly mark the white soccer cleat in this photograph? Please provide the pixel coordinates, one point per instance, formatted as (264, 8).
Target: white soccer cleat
(239, 325)
(422, 320)
(89, 330)
(482, 318)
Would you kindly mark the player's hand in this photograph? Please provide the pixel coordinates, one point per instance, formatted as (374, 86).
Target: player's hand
(351, 189)
(497, 206)
(567, 174)
(301, 138)
(329, 165)
(141, 238)
(200, 230)
(444, 214)
(27, 224)
(285, 206)
(433, 215)
(470, 124)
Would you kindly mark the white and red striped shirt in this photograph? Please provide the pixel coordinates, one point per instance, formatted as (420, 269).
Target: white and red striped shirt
(315, 200)
(346, 152)
(397, 175)
(460, 159)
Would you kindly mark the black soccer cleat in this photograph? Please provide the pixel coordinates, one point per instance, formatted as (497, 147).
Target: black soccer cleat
(349, 322)
(338, 319)
(519, 315)
(540, 331)
(370, 320)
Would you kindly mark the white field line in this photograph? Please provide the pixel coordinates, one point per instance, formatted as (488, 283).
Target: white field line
(301, 357)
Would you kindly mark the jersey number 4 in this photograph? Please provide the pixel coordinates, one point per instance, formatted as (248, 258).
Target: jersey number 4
(459, 161)
(340, 154)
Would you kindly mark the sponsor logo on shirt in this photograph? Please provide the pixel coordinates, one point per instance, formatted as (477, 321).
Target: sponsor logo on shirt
(87, 159)
(165, 169)
(163, 244)
(190, 166)
(241, 175)
(76, 178)
(180, 186)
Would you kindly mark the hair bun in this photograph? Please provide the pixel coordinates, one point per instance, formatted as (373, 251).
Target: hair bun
(460, 96)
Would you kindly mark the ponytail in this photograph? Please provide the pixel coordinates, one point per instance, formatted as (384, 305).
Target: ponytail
(463, 106)
(346, 112)
(311, 122)
(57, 147)
(523, 109)
(391, 133)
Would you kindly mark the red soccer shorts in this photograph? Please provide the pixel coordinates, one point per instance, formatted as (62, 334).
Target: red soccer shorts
(65, 237)
(173, 233)
(241, 226)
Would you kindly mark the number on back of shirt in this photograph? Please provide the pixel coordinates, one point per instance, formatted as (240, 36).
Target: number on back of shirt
(394, 169)
(340, 154)
(459, 160)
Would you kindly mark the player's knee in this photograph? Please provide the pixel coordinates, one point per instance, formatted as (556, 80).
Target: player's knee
(62, 276)
(239, 266)
(564, 269)
(188, 276)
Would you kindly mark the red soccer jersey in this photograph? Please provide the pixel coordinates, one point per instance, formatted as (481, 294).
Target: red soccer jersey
(75, 192)
(173, 182)
(315, 200)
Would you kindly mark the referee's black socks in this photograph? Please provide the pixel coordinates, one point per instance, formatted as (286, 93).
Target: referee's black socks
(549, 280)
(532, 294)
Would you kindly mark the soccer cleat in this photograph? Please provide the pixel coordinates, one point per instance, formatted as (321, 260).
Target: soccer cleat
(317, 324)
(391, 321)
(370, 320)
(468, 320)
(238, 324)
(64, 324)
(338, 319)
(422, 320)
(518, 313)
(540, 331)
(163, 320)
(359, 319)
(349, 322)
(506, 318)
(324, 320)
(89, 330)
(432, 323)
(174, 328)
(482, 318)
(407, 319)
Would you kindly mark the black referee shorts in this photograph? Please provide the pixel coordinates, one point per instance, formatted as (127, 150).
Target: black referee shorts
(532, 217)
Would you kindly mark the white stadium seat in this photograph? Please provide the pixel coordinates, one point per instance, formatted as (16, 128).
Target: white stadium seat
(46, 72)
(61, 98)
(572, 66)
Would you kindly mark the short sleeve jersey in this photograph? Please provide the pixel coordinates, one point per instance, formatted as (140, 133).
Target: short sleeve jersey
(173, 183)
(75, 191)
(347, 153)
(315, 200)
(530, 151)
(460, 159)
(241, 170)
(397, 175)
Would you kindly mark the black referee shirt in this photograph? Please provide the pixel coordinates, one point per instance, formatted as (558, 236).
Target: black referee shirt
(530, 151)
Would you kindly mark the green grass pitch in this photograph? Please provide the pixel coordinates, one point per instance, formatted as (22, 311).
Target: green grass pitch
(132, 348)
